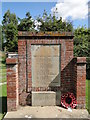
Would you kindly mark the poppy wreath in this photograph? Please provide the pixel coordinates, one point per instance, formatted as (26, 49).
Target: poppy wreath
(68, 100)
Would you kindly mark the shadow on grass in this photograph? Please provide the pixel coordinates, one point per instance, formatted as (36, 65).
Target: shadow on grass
(3, 108)
(3, 61)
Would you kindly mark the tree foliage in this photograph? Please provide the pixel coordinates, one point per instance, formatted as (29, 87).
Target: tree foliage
(47, 23)
(10, 31)
(82, 46)
(51, 23)
(81, 42)
(27, 23)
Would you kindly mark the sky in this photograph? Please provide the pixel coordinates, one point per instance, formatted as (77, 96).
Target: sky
(75, 11)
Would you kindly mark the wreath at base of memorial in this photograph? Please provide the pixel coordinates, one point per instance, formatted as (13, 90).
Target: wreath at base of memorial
(68, 100)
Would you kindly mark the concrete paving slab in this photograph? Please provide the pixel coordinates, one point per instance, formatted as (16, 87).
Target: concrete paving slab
(47, 112)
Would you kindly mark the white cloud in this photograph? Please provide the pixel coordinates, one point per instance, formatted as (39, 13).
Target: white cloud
(75, 9)
(37, 24)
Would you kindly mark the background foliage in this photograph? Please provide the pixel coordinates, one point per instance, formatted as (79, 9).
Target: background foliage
(9, 31)
(51, 23)
(82, 46)
(12, 24)
(26, 24)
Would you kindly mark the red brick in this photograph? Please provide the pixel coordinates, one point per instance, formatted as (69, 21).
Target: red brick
(11, 60)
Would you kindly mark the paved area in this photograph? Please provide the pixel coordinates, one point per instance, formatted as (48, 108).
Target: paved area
(47, 112)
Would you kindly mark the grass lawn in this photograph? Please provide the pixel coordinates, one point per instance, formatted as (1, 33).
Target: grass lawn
(88, 95)
(2, 69)
(1, 116)
(3, 88)
(3, 100)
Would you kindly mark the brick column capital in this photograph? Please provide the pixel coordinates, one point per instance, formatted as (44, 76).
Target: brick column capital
(81, 60)
(11, 61)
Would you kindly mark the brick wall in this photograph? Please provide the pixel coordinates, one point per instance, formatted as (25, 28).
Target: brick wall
(19, 76)
(81, 82)
(12, 84)
(26, 74)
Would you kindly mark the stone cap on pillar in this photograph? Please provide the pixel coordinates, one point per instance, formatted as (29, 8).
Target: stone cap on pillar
(81, 60)
(12, 55)
(11, 61)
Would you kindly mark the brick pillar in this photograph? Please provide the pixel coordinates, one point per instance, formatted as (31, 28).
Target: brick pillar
(12, 84)
(81, 82)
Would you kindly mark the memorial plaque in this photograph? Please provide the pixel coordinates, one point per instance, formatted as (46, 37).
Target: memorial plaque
(45, 65)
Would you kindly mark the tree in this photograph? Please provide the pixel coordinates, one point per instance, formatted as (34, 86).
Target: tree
(10, 31)
(51, 23)
(27, 23)
(82, 46)
(81, 42)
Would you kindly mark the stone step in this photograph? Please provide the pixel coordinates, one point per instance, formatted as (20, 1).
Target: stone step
(43, 98)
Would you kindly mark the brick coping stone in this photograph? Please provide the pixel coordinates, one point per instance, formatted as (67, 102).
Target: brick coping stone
(12, 61)
(25, 33)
